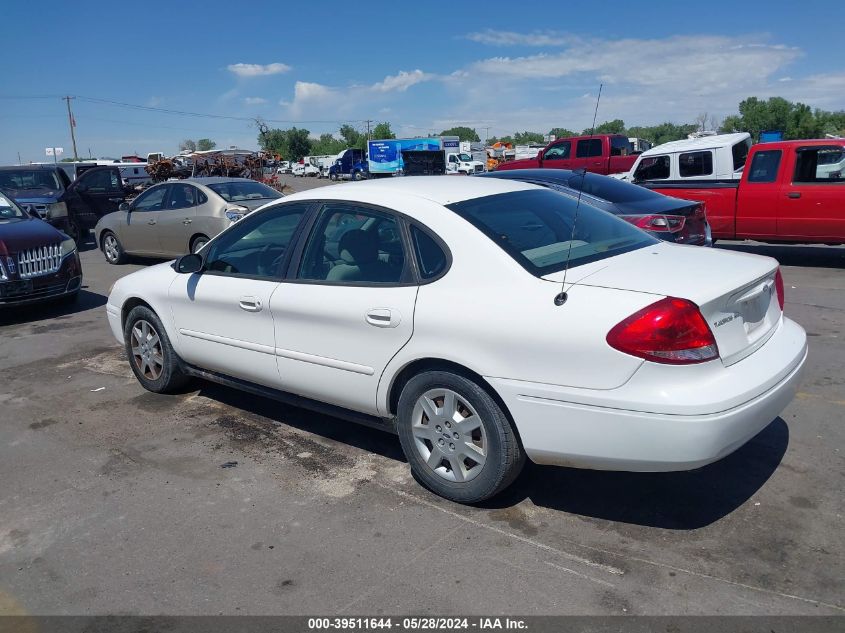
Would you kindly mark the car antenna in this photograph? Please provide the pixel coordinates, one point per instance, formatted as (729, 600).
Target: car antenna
(562, 296)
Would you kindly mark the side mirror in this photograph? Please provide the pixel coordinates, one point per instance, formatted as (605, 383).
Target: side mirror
(124, 206)
(190, 263)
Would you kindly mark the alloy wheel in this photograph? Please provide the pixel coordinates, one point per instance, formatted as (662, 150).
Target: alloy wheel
(449, 435)
(146, 350)
(110, 248)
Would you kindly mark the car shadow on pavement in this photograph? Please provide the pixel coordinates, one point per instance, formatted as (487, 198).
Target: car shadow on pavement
(86, 300)
(793, 255)
(674, 501)
(365, 438)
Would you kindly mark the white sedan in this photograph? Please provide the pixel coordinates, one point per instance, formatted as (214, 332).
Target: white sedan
(485, 321)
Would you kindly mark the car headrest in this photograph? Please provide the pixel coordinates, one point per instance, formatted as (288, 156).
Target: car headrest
(358, 247)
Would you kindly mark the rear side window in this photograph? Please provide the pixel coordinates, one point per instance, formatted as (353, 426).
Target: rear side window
(538, 229)
(820, 165)
(609, 189)
(588, 148)
(620, 146)
(430, 257)
(695, 164)
(653, 168)
(764, 166)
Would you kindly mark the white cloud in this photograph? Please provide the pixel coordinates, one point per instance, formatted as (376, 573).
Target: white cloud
(258, 70)
(401, 81)
(493, 37)
(255, 100)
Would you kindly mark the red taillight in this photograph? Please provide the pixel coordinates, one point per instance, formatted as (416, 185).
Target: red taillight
(657, 223)
(779, 289)
(669, 331)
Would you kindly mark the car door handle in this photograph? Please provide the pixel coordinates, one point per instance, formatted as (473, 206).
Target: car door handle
(186, 221)
(250, 304)
(793, 194)
(383, 317)
(151, 222)
(115, 199)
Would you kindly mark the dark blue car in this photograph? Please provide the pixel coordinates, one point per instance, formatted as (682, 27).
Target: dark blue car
(664, 217)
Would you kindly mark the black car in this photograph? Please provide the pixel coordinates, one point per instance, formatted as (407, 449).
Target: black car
(666, 218)
(71, 206)
(37, 261)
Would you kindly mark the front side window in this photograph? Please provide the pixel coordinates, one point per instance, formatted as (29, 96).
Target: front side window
(150, 200)
(695, 164)
(353, 244)
(820, 165)
(539, 230)
(256, 246)
(652, 168)
(558, 152)
(101, 181)
(764, 166)
(588, 148)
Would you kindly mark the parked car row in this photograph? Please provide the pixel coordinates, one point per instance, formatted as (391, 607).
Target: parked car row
(485, 320)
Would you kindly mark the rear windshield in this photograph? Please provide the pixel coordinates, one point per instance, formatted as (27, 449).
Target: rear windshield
(608, 188)
(237, 191)
(536, 229)
(29, 179)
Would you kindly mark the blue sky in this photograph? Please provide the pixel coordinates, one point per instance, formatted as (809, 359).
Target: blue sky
(421, 66)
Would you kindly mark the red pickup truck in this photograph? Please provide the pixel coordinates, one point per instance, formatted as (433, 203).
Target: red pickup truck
(600, 153)
(790, 191)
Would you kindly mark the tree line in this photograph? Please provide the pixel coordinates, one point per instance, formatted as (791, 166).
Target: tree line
(795, 120)
(202, 145)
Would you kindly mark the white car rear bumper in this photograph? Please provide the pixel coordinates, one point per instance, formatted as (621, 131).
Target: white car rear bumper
(665, 418)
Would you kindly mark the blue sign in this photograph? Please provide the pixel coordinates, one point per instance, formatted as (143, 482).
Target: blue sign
(385, 157)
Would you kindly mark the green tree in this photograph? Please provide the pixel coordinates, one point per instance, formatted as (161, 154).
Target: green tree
(352, 137)
(663, 132)
(383, 131)
(187, 145)
(803, 123)
(464, 133)
(299, 143)
(561, 132)
(732, 123)
(290, 144)
(327, 144)
(205, 144)
(522, 138)
(617, 126)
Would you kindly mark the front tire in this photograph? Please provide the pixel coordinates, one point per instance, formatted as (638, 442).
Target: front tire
(458, 441)
(113, 249)
(150, 353)
(358, 176)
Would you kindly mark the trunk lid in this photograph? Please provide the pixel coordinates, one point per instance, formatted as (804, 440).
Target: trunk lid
(734, 291)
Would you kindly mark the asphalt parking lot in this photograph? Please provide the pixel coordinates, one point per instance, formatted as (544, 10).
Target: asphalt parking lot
(116, 500)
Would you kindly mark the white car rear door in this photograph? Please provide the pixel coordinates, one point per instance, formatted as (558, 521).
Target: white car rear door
(349, 308)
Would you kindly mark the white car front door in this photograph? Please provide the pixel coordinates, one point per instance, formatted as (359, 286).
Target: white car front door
(222, 315)
(349, 309)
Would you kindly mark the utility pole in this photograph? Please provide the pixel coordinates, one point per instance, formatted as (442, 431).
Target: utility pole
(368, 128)
(72, 124)
(486, 136)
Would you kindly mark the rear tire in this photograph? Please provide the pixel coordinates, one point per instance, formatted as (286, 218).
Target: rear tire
(198, 242)
(112, 249)
(458, 441)
(151, 356)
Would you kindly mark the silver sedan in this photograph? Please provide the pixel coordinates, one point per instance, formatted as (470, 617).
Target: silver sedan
(178, 217)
